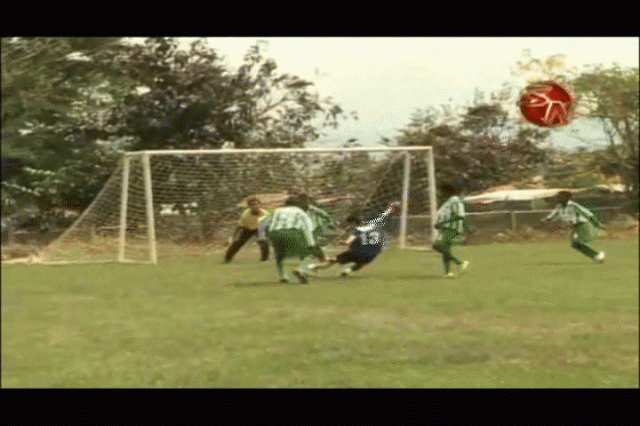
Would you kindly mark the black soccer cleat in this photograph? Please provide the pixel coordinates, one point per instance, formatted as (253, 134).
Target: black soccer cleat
(300, 276)
(345, 273)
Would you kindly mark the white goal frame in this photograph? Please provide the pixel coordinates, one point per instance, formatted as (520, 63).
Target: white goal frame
(145, 156)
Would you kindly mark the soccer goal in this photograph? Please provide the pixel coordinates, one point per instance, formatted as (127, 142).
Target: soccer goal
(160, 204)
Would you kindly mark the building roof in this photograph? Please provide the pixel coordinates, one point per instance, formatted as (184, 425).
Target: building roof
(507, 193)
(516, 195)
(613, 187)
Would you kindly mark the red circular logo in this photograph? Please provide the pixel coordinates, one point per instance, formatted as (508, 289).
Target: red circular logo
(547, 104)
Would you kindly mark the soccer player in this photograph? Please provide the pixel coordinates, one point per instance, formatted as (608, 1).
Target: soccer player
(291, 234)
(585, 224)
(451, 222)
(247, 228)
(322, 222)
(367, 240)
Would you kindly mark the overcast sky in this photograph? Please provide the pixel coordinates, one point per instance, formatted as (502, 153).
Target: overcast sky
(386, 79)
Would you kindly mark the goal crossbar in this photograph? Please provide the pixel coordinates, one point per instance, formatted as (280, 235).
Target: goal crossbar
(275, 150)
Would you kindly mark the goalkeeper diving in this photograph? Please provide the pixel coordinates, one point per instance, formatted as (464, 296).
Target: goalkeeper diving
(367, 240)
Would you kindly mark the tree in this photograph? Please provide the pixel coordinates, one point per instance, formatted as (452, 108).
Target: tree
(606, 94)
(43, 78)
(49, 88)
(190, 100)
(478, 146)
(71, 106)
(578, 169)
(611, 97)
(278, 109)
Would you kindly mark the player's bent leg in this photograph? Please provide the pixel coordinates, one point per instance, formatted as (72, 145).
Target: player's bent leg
(584, 248)
(355, 267)
(359, 261)
(586, 233)
(443, 244)
(232, 250)
(455, 240)
(346, 257)
(323, 265)
(330, 261)
(264, 250)
(319, 254)
(301, 276)
(279, 243)
(235, 246)
(444, 241)
(303, 271)
(280, 267)
(295, 245)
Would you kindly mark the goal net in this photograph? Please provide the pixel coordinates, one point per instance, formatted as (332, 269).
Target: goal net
(161, 204)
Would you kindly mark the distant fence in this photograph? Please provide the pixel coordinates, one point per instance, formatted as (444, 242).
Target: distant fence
(495, 225)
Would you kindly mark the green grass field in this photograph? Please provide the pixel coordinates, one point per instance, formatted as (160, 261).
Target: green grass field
(530, 315)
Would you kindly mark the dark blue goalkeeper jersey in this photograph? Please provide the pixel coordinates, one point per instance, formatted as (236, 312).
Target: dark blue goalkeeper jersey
(370, 237)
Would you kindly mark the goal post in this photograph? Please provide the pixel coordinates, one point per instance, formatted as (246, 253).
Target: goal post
(124, 194)
(170, 203)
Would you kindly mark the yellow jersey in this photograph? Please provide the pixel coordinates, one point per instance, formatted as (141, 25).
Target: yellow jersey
(250, 221)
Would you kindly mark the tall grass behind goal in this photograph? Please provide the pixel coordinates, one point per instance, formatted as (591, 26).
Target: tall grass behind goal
(160, 204)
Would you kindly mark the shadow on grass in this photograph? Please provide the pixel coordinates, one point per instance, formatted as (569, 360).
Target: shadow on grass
(338, 279)
(266, 284)
(295, 282)
(552, 263)
(425, 277)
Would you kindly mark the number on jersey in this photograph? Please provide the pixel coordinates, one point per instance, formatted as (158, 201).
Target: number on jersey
(370, 238)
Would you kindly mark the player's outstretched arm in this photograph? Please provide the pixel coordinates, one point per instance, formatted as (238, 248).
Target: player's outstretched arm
(590, 216)
(393, 208)
(348, 241)
(551, 215)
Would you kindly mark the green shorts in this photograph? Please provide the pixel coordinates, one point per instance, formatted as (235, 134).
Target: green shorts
(448, 238)
(585, 232)
(291, 243)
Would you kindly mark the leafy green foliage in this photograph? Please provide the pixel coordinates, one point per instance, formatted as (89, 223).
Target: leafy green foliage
(574, 169)
(606, 94)
(71, 106)
(611, 96)
(50, 91)
(480, 145)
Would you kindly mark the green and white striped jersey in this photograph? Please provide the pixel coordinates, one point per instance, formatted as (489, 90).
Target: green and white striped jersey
(453, 215)
(573, 214)
(320, 219)
(292, 217)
